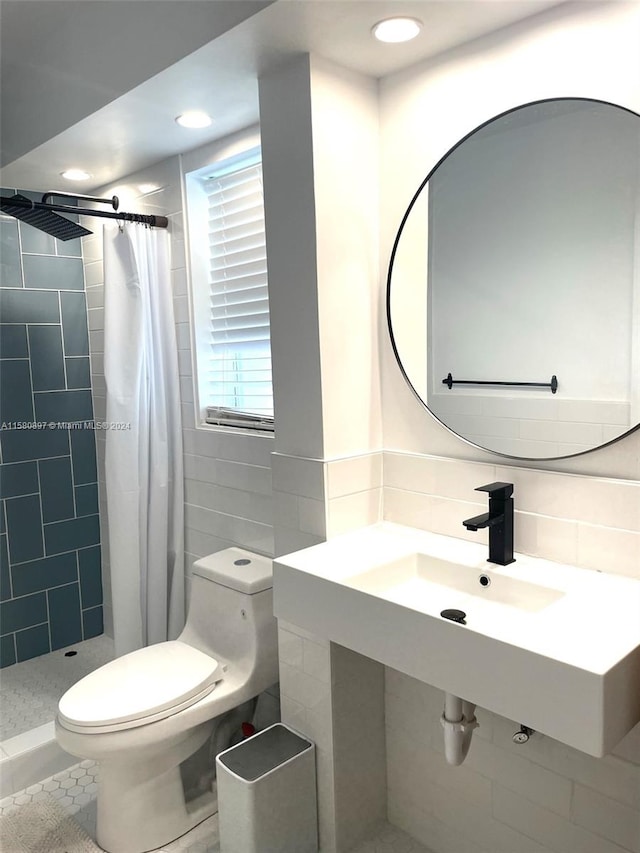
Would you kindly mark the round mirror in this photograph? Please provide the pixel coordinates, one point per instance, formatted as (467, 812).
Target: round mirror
(513, 295)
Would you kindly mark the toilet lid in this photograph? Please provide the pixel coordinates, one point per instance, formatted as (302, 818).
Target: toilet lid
(150, 682)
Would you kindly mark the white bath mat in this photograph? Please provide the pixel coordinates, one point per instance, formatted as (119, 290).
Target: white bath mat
(43, 826)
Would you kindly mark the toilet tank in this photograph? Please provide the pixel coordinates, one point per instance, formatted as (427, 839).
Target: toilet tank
(230, 614)
(234, 568)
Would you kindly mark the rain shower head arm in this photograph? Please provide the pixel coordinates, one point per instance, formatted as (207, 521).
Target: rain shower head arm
(114, 201)
(43, 215)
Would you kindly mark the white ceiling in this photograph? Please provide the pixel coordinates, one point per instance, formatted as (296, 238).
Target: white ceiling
(97, 83)
(61, 60)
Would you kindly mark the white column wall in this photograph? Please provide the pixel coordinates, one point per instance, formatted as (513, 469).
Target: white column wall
(319, 133)
(290, 220)
(345, 161)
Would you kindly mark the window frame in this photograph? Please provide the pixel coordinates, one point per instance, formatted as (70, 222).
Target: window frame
(221, 154)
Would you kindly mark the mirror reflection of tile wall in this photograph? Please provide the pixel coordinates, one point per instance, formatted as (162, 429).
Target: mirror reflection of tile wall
(50, 577)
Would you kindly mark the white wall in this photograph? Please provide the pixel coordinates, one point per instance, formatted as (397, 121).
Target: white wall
(290, 221)
(543, 796)
(319, 132)
(345, 160)
(589, 51)
(320, 176)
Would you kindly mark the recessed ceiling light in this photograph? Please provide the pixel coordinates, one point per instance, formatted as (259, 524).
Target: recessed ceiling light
(194, 118)
(397, 29)
(75, 175)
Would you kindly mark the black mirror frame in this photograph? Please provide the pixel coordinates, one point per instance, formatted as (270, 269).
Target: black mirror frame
(390, 272)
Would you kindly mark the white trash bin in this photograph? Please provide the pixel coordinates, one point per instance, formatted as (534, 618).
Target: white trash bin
(267, 794)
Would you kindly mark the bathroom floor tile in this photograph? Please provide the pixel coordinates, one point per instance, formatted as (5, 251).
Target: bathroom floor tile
(203, 839)
(75, 789)
(31, 690)
(389, 839)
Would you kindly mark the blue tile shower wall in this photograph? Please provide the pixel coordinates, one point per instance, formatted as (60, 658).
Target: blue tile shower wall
(50, 575)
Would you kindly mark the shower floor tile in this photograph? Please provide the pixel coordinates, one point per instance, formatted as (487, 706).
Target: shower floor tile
(75, 790)
(31, 690)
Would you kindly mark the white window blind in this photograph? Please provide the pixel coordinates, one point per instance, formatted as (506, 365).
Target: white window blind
(239, 378)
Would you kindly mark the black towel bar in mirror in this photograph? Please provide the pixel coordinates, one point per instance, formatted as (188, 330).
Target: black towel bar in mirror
(450, 382)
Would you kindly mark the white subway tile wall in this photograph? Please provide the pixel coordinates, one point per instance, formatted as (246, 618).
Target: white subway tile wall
(227, 475)
(542, 796)
(505, 798)
(305, 705)
(590, 522)
(298, 501)
(357, 687)
(354, 474)
(335, 697)
(354, 493)
(542, 427)
(581, 802)
(316, 500)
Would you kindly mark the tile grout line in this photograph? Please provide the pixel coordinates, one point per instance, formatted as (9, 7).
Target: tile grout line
(33, 403)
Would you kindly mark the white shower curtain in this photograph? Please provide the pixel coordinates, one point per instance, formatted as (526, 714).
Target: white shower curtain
(144, 439)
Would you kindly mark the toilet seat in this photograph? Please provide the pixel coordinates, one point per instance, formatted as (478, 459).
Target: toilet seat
(139, 688)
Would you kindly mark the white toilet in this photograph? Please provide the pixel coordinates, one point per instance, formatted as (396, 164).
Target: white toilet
(144, 714)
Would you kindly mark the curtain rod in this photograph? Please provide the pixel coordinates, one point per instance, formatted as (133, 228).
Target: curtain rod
(27, 204)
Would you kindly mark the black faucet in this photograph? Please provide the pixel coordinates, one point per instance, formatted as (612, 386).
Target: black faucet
(499, 520)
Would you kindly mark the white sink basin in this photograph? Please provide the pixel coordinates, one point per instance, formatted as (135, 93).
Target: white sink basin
(419, 577)
(548, 645)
